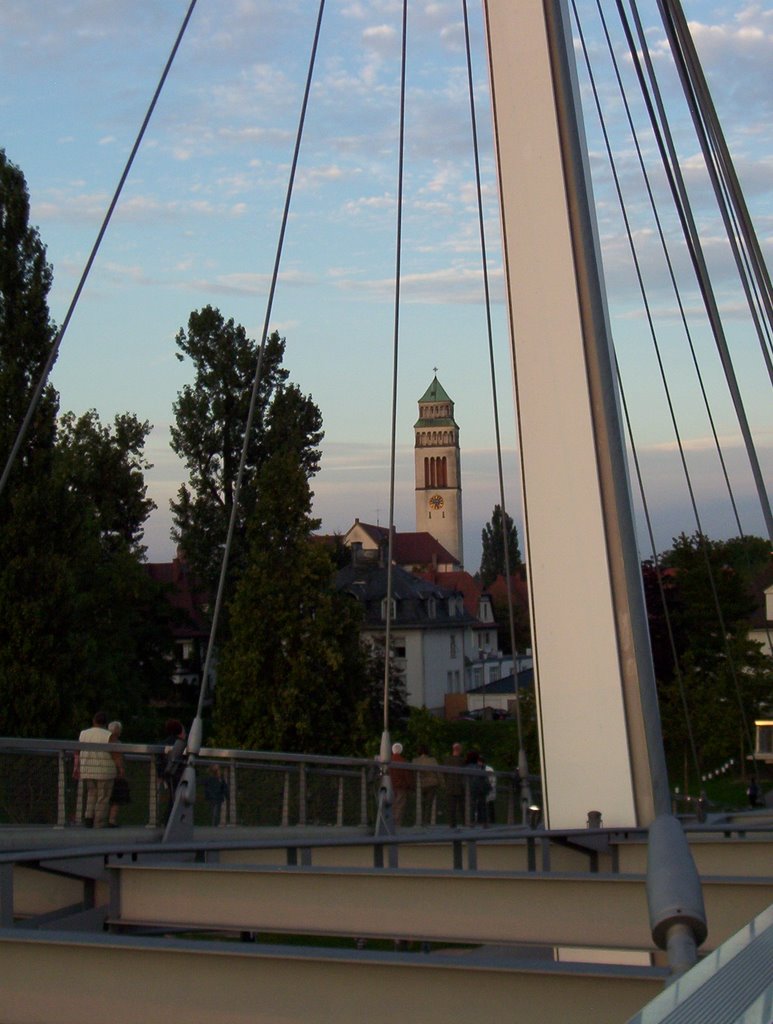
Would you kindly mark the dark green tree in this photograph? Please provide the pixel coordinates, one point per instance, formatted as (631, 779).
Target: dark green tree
(719, 674)
(492, 562)
(76, 606)
(82, 625)
(107, 466)
(208, 435)
(26, 330)
(30, 694)
(370, 704)
(291, 674)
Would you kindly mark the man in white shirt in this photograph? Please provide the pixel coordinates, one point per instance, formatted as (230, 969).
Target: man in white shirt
(98, 769)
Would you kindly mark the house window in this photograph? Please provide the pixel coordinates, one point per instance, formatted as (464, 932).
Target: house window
(384, 609)
(431, 607)
(453, 646)
(398, 647)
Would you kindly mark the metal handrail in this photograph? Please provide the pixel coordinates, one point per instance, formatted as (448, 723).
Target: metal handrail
(500, 836)
(293, 766)
(47, 746)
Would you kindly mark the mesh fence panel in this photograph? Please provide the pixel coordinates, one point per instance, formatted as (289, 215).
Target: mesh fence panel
(38, 788)
(29, 789)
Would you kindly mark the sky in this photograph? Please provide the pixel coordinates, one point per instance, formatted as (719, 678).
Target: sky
(199, 217)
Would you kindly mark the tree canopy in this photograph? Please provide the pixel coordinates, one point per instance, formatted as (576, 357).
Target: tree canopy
(26, 330)
(712, 680)
(292, 673)
(81, 623)
(208, 435)
(492, 562)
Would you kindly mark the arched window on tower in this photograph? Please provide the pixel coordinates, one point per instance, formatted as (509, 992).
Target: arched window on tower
(426, 473)
(443, 473)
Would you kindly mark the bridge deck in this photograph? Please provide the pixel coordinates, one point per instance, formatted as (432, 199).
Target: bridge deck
(573, 936)
(479, 907)
(127, 979)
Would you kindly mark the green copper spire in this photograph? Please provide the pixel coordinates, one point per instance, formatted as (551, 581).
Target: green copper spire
(435, 393)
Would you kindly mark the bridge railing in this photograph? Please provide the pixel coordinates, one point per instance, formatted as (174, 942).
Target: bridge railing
(38, 787)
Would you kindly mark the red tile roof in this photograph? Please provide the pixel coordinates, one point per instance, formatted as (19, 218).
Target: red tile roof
(410, 548)
(462, 582)
(420, 549)
(184, 595)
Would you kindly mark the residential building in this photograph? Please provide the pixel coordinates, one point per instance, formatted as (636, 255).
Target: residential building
(433, 636)
(762, 620)
(414, 552)
(189, 621)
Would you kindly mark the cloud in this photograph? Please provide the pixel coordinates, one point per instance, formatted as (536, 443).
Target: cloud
(451, 285)
(382, 38)
(728, 442)
(250, 284)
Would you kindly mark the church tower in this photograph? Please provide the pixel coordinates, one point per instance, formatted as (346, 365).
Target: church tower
(438, 470)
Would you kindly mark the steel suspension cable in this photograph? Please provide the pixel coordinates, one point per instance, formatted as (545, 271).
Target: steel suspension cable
(54, 351)
(659, 578)
(395, 354)
(195, 736)
(522, 760)
(664, 249)
(259, 364)
(702, 107)
(258, 367)
(702, 538)
(672, 274)
(656, 111)
(686, 61)
(624, 402)
(384, 820)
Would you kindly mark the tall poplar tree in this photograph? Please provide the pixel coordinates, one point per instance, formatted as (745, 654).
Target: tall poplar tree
(492, 562)
(79, 617)
(208, 435)
(293, 673)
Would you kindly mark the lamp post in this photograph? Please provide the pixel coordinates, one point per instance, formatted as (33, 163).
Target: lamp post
(483, 654)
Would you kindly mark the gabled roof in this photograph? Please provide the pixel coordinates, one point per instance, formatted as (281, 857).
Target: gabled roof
(378, 534)
(435, 393)
(418, 548)
(464, 583)
(368, 584)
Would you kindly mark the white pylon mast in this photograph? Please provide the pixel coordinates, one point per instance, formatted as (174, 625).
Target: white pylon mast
(601, 746)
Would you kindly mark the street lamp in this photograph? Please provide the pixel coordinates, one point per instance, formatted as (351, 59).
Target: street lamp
(483, 654)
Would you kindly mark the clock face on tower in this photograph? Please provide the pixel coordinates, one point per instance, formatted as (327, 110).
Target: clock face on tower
(436, 502)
